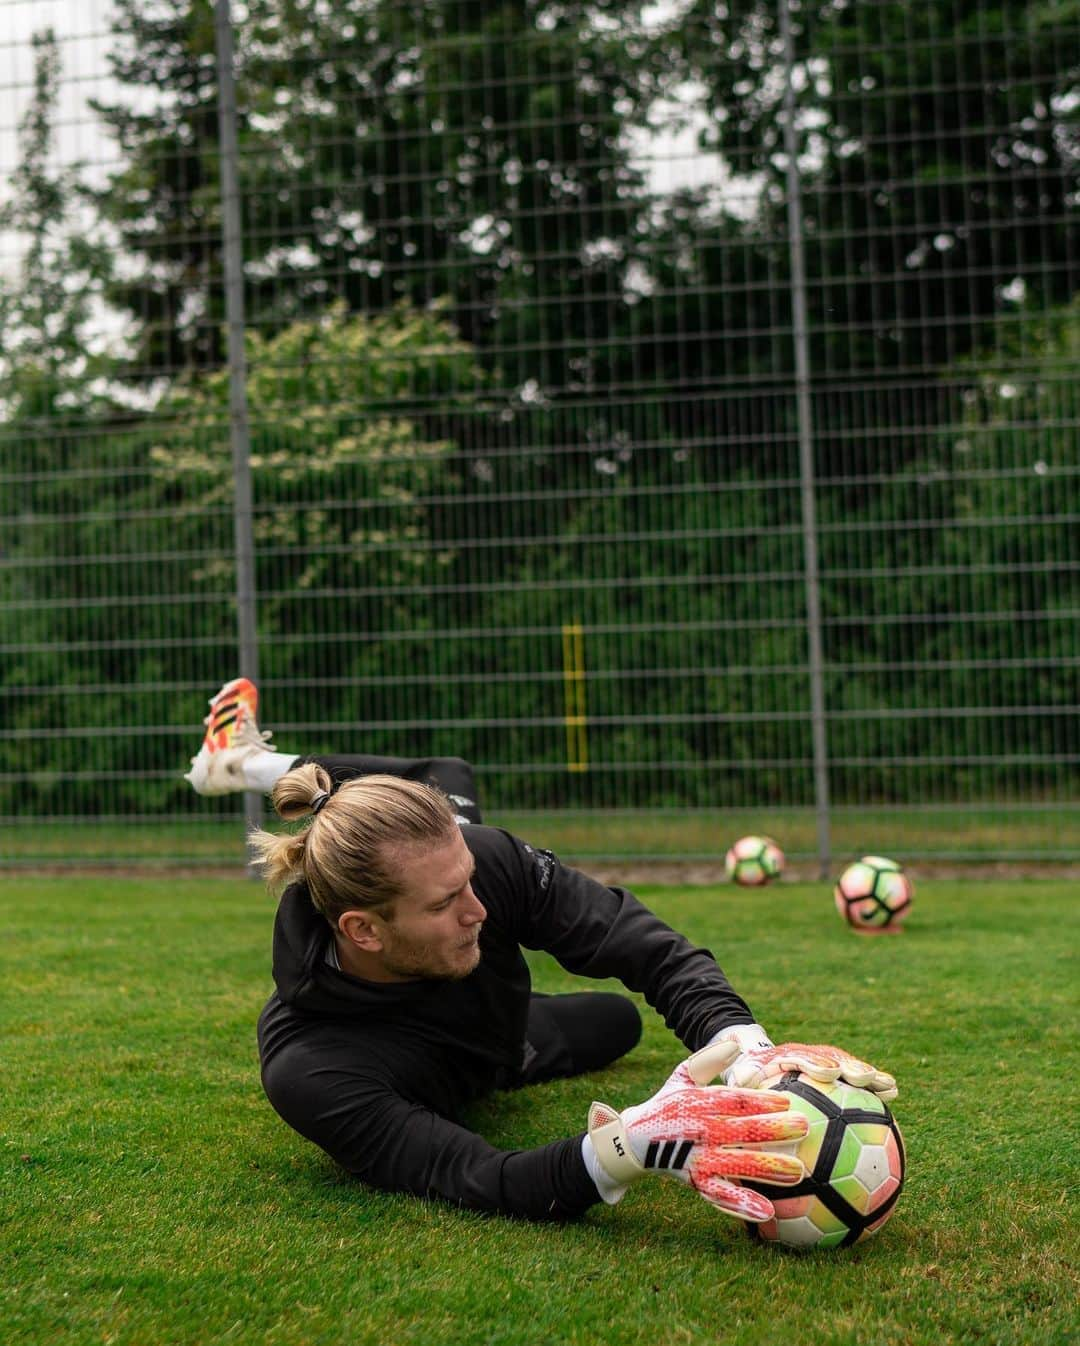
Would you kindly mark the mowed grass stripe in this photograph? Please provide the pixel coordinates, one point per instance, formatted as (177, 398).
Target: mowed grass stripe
(1043, 835)
(149, 1195)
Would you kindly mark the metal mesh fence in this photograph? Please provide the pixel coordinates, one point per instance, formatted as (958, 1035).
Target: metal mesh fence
(672, 409)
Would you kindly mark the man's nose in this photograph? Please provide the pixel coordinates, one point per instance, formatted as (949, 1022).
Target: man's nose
(474, 911)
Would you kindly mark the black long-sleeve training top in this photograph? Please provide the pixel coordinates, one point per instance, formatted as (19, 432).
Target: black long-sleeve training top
(376, 1074)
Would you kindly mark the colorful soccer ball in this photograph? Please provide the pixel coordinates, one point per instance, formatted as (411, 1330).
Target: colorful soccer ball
(854, 1159)
(873, 895)
(753, 861)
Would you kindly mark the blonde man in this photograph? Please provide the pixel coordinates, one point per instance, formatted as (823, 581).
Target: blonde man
(402, 995)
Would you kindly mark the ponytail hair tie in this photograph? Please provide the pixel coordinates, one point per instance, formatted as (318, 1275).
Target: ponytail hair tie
(319, 801)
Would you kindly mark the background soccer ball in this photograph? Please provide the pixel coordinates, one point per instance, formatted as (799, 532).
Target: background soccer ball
(854, 1159)
(873, 895)
(753, 861)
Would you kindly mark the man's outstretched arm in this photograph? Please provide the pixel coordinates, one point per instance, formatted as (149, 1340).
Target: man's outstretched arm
(708, 1138)
(598, 931)
(390, 1143)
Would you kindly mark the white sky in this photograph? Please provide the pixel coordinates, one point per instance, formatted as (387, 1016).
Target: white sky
(82, 29)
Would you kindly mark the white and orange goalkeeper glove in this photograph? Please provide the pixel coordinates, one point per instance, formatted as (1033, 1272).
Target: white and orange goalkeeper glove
(704, 1136)
(758, 1060)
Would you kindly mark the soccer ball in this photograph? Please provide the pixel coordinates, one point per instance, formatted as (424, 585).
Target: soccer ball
(873, 895)
(753, 861)
(854, 1159)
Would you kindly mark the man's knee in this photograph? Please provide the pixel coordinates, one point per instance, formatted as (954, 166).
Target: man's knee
(604, 1027)
(625, 1026)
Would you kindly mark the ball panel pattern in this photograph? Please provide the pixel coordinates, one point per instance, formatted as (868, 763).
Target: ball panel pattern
(873, 895)
(853, 1192)
(848, 1155)
(753, 861)
(854, 1158)
(819, 1230)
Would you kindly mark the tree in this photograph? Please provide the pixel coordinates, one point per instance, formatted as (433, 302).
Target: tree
(133, 587)
(939, 151)
(952, 607)
(164, 202)
(388, 154)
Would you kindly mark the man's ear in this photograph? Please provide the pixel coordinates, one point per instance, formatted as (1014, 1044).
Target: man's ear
(362, 929)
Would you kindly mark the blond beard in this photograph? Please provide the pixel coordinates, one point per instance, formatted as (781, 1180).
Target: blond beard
(427, 963)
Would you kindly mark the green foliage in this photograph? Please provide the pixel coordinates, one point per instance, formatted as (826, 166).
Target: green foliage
(569, 403)
(481, 152)
(383, 549)
(339, 472)
(342, 532)
(956, 583)
(167, 190)
(153, 1198)
(926, 185)
(388, 154)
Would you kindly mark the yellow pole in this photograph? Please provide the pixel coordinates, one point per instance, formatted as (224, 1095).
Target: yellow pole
(577, 743)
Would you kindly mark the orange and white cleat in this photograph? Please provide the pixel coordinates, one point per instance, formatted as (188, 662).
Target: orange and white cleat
(232, 737)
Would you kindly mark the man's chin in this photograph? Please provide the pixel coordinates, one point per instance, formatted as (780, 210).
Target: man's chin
(450, 967)
(469, 962)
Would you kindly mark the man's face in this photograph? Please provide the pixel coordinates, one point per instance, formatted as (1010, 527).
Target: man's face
(434, 931)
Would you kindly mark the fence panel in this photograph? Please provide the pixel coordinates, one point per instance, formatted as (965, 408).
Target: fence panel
(524, 417)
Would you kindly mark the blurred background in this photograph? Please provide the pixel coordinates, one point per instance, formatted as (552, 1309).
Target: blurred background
(672, 408)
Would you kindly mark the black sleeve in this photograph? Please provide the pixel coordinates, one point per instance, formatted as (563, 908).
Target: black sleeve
(597, 931)
(376, 1134)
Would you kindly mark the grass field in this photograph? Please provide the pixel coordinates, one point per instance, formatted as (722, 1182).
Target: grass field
(1038, 836)
(149, 1194)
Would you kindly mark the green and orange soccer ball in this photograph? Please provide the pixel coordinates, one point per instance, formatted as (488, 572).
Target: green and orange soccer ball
(854, 1161)
(753, 861)
(873, 895)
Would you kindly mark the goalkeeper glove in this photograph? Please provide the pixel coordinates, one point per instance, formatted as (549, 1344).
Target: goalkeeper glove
(759, 1060)
(704, 1136)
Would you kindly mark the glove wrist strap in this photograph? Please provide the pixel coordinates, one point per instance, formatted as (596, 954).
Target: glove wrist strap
(750, 1037)
(607, 1131)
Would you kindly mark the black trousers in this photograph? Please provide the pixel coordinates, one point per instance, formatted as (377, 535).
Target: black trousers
(571, 1034)
(452, 775)
(566, 1034)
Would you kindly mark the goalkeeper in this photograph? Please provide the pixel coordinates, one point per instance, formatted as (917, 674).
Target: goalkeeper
(402, 996)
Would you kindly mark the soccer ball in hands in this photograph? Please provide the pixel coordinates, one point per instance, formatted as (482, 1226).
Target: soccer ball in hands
(854, 1160)
(753, 861)
(873, 895)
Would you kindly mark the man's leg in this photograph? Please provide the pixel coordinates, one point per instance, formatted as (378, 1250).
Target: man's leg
(236, 755)
(571, 1034)
(452, 775)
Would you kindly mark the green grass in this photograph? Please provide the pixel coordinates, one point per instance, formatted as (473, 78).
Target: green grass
(149, 1195)
(1038, 836)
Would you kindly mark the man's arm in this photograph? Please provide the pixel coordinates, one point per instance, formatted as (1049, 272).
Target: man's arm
(708, 1138)
(606, 932)
(399, 1146)
(597, 931)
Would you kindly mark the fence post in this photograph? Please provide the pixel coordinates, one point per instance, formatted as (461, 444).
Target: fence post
(239, 431)
(804, 413)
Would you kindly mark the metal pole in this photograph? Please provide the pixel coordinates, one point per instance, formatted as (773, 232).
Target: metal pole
(239, 433)
(804, 414)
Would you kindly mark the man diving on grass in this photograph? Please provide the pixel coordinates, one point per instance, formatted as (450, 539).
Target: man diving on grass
(402, 995)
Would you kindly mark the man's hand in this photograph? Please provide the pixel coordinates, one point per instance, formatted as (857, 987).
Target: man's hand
(705, 1136)
(749, 1069)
